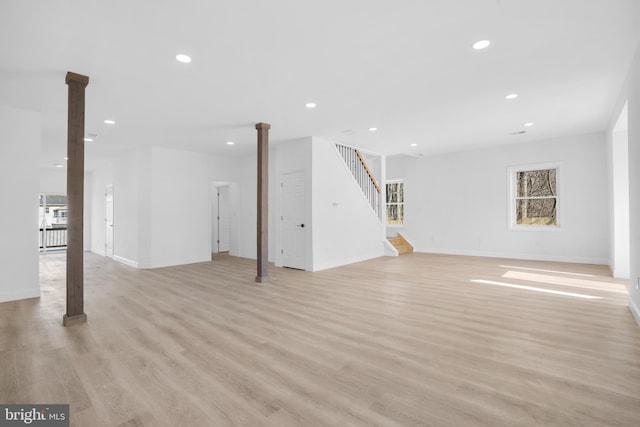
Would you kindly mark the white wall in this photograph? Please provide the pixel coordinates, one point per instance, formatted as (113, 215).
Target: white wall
(53, 181)
(457, 203)
(19, 185)
(180, 209)
(127, 172)
(345, 228)
(247, 203)
(162, 206)
(630, 93)
(618, 160)
(397, 166)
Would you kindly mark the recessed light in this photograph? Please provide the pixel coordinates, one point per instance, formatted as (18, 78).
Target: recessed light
(185, 59)
(481, 44)
(520, 132)
(529, 124)
(310, 105)
(373, 129)
(88, 140)
(66, 158)
(110, 122)
(511, 96)
(58, 165)
(230, 143)
(414, 145)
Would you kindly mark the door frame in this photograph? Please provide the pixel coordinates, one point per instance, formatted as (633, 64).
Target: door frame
(228, 187)
(106, 225)
(306, 233)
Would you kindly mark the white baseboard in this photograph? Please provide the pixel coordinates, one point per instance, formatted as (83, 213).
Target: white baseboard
(98, 252)
(163, 264)
(125, 261)
(511, 255)
(620, 274)
(347, 261)
(635, 310)
(19, 294)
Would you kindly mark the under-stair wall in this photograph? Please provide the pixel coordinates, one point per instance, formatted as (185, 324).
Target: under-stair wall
(346, 229)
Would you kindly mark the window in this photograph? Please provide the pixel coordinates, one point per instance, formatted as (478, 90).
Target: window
(534, 197)
(395, 203)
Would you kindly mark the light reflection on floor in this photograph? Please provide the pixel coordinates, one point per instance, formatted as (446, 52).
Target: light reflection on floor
(531, 288)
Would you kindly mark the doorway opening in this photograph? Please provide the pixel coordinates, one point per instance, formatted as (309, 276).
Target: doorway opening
(223, 220)
(52, 222)
(224, 230)
(108, 221)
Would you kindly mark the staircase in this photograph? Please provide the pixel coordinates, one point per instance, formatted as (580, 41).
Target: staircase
(401, 244)
(363, 176)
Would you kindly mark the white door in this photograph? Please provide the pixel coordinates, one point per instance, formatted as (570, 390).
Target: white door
(224, 225)
(293, 222)
(108, 221)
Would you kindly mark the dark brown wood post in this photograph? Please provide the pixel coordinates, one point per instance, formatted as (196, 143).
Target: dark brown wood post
(75, 195)
(263, 202)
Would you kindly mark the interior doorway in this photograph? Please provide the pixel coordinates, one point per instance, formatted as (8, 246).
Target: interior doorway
(223, 221)
(294, 229)
(52, 222)
(224, 210)
(108, 221)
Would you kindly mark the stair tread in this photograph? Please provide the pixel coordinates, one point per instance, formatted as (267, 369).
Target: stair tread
(401, 244)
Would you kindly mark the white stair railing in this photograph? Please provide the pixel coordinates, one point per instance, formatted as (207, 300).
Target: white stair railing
(361, 172)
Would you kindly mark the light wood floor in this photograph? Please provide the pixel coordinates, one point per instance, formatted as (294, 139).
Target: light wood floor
(393, 341)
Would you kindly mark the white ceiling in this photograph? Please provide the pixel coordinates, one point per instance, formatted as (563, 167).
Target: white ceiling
(405, 67)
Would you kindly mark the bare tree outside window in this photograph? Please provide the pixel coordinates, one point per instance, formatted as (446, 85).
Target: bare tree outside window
(395, 203)
(536, 198)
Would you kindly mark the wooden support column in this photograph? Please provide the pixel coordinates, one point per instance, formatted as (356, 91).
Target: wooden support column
(263, 202)
(75, 195)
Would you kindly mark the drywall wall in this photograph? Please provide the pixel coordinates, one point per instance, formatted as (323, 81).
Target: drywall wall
(129, 170)
(162, 205)
(180, 210)
(53, 181)
(398, 165)
(458, 203)
(247, 207)
(618, 161)
(630, 94)
(19, 163)
(345, 228)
